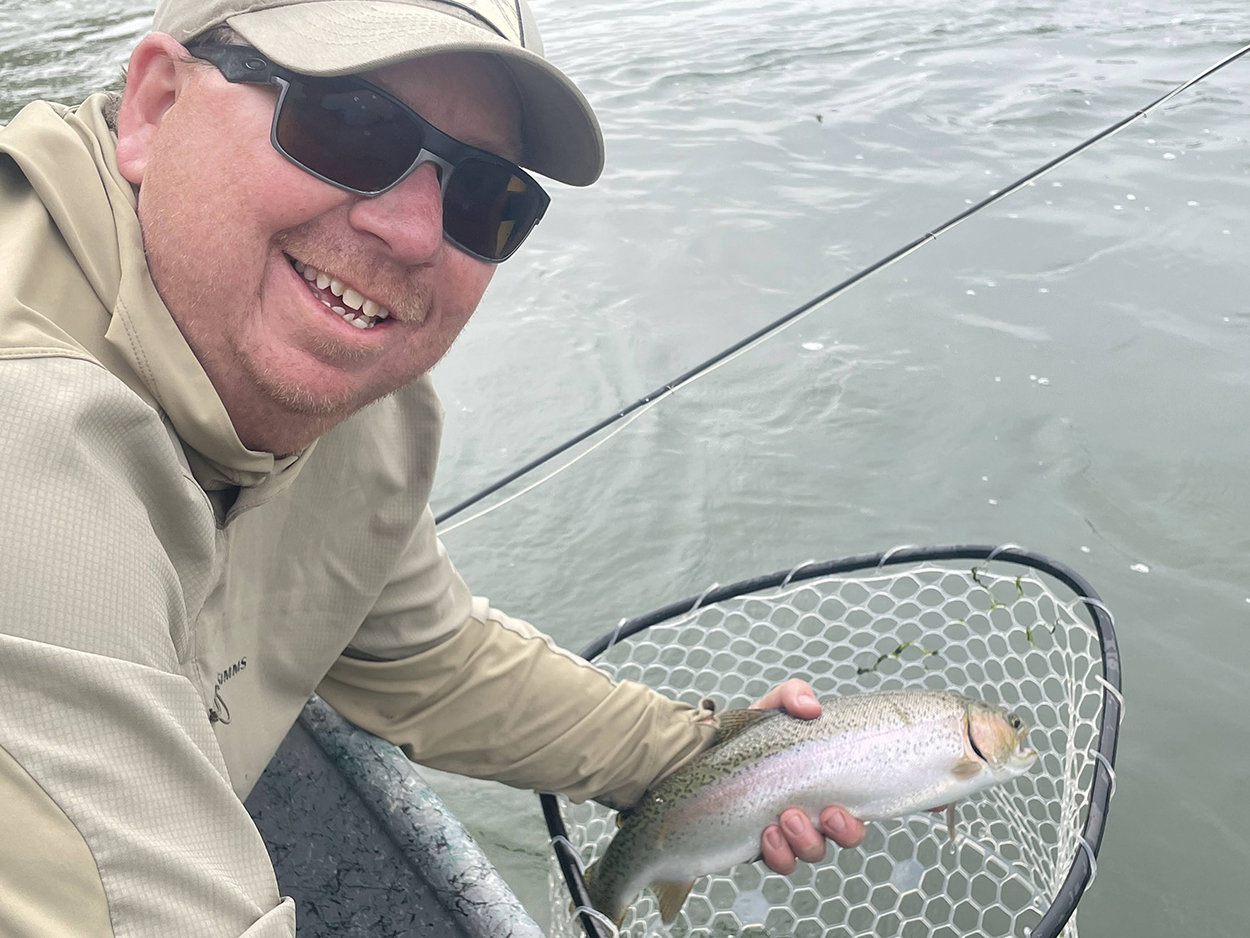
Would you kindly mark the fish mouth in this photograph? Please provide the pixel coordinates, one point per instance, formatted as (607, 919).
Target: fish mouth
(1024, 758)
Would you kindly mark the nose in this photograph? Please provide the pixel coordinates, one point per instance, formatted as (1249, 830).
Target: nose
(408, 218)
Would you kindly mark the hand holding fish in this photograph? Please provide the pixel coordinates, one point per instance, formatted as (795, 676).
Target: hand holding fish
(796, 838)
(879, 755)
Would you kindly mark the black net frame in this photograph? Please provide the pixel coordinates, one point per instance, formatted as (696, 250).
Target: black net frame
(1083, 865)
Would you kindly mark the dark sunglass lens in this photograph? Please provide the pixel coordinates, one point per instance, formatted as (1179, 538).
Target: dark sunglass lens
(489, 209)
(347, 133)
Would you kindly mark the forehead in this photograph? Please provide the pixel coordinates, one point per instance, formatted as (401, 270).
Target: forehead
(469, 96)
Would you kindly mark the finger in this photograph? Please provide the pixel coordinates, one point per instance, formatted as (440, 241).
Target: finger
(804, 840)
(769, 700)
(777, 854)
(843, 829)
(795, 696)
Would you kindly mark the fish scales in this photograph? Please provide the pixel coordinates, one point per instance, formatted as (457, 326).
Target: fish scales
(878, 755)
(783, 757)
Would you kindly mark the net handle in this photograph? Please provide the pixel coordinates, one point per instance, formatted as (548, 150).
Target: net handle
(1083, 863)
(571, 868)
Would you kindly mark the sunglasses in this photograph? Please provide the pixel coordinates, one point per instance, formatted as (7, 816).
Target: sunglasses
(359, 138)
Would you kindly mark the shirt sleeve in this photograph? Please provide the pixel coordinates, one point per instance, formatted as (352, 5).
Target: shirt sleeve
(106, 751)
(462, 687)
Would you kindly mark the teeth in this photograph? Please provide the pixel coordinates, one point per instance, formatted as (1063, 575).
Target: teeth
(370, 311)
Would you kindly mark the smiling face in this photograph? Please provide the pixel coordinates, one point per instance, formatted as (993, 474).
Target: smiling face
(227, 221)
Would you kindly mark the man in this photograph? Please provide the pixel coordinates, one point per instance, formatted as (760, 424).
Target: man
(203, 287)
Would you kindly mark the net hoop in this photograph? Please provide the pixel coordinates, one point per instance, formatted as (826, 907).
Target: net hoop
(1083, 865)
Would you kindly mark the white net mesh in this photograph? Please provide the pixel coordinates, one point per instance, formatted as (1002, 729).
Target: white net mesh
(999, 635)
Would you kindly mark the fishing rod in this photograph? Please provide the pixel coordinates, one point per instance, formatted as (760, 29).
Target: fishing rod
(647, 401)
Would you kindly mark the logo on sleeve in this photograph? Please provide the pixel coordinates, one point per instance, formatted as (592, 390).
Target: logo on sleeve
(219, 712)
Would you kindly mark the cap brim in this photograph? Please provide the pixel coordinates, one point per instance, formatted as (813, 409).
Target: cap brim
(562, 135)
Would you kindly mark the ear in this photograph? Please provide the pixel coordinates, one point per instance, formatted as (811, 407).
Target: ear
(155, 78)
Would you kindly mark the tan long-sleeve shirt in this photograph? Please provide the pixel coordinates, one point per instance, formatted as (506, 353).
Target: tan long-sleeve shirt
(169, 598)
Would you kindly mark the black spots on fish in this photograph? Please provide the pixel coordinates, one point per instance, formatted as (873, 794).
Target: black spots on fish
(729, 723)
(590, 878)
(599, 894)
(902, 646)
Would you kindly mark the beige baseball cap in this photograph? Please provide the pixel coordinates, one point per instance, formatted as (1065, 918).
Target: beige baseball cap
(339, 37)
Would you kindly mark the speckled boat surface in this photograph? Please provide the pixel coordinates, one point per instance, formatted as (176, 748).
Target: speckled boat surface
(366, 848)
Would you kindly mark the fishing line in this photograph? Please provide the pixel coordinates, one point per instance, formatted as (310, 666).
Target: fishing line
(742, 346)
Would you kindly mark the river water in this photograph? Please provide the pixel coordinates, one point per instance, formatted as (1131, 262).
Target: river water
(1069, 371)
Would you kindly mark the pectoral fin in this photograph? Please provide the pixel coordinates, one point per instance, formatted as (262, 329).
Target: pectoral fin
(966, 768)
(950, 822)
(672, 896)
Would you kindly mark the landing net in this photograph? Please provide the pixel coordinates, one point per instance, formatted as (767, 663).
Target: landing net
(999, 624)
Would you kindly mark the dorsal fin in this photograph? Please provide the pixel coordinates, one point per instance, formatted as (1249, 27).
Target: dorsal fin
(729, 723)
(671, 896)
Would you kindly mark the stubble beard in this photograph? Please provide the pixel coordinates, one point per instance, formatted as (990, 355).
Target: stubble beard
(283, 395)
(272, 408)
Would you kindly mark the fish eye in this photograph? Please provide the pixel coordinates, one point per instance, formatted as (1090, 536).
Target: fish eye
(1015, 722)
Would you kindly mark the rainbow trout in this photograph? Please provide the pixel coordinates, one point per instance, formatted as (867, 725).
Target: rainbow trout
(878, 755)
